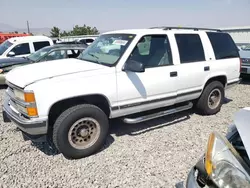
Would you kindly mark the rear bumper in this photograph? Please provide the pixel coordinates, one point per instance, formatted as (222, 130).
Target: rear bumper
(30, 126)
(245, 69)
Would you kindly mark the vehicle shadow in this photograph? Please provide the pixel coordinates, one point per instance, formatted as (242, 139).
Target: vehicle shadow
(49, 149)
(118, 128)
(245, 80)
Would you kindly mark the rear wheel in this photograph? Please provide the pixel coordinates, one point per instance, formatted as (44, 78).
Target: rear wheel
(80, 131)
(211, 99)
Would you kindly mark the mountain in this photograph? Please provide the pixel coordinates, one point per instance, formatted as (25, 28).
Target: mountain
(6, 27)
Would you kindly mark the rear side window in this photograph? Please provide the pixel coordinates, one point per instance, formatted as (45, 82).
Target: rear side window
(223, 45)
(190, 48)
(39, 45)
(21, 49)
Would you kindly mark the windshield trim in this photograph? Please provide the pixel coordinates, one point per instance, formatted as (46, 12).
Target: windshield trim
(116, 62)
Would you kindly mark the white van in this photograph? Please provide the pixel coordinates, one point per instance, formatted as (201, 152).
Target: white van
(23, 46)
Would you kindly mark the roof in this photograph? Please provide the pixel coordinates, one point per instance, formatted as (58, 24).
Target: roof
(66, 46)
(160, 30)
(28, 38)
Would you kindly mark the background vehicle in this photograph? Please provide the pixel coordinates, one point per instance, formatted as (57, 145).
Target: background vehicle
(6, 36)
(176, 69)
(226, 162)
(49, 53)
(244, 51)
(23, 46)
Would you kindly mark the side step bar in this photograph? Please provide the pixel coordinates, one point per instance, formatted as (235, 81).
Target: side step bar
(158, 114)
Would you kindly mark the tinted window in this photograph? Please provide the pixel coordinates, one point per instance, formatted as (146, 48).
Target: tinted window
(39, 45)
(89, 40)
(21, 49)
(153, 51)
(223, 45)
(190, 48)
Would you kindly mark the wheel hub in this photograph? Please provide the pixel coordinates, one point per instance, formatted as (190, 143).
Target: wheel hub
(214, 98)
(84, 133)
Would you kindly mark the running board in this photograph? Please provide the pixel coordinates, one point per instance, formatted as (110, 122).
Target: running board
(158, 114)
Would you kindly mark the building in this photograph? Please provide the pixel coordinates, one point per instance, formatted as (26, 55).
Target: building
(239, 34)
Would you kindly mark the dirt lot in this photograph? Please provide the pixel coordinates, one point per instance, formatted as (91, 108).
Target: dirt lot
(158, 153)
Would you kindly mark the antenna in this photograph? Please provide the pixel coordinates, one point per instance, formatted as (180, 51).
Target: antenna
(28, 27)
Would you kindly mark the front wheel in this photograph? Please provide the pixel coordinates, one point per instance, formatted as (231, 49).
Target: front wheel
(80, 131)
(211, 99)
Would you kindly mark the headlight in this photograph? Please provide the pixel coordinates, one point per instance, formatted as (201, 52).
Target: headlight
(25, 96)
(245, 60)
(29, 98)
(224, 165)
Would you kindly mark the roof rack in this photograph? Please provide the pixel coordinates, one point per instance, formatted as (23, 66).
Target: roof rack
(189, 28)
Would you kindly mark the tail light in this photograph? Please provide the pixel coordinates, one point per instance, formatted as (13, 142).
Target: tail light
(240, 64)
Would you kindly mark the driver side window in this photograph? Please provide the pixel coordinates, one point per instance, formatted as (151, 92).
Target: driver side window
(57, 54)
(153, 51)
(21, 49)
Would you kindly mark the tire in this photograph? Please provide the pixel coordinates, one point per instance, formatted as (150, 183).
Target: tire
(89, 121)
(203, 106)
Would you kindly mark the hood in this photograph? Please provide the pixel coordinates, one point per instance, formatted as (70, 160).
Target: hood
(25, 75)
(4, 62)
(242, 122)
(244, 54)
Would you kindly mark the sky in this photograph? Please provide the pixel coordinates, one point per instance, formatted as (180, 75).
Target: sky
(125, 14)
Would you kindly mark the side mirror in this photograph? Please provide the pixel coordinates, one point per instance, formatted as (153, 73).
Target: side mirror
(11, 54)
(134, 66)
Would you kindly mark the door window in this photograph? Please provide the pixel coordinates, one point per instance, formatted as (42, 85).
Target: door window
(190, 48)
(57, 54)
(153, 51)
(21, 49)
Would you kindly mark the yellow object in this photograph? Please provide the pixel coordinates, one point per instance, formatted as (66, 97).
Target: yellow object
(32, 111)
(208, 160)
(29, 97)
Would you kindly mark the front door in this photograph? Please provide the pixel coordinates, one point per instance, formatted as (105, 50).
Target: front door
(153, 88)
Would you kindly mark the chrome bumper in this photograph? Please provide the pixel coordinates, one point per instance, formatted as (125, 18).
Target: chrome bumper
(30, 126)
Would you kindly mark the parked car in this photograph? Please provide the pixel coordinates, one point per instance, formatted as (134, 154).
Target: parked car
(23, 46)
(178, 68)
(49, 53)
(244, 51)
(226, 161)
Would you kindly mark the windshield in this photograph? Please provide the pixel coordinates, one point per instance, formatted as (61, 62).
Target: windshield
(4, 46)
(107, 49)
(38, 54)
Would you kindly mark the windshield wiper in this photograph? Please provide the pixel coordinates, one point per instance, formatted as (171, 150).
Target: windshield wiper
(96, 57)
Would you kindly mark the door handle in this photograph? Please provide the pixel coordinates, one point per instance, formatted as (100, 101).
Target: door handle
(173, 74)
(207, 68)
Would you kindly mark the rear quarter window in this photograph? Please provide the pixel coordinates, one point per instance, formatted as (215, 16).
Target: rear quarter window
(39, 45)
(223, 45)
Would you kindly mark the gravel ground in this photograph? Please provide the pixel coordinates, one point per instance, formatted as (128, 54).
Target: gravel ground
(158, 153)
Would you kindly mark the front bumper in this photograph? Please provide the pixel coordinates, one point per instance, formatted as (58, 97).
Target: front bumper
(30, 126)
(191, 181)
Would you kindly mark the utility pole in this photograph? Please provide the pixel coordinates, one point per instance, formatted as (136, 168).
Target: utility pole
(28, 27)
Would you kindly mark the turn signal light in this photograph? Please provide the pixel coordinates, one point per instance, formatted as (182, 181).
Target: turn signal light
(29, 97)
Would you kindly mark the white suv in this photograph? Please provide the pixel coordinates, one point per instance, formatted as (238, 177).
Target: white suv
(150, 73)
(23, 46)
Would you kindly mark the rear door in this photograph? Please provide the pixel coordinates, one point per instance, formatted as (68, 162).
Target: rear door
(193, 68)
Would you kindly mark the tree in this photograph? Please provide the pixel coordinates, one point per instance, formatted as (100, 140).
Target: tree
(55, 32)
